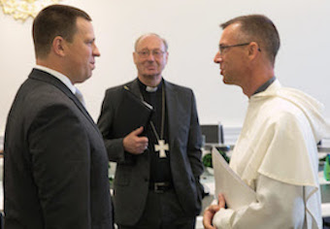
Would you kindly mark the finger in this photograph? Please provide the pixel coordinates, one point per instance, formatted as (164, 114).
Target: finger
(143, 146)
(213, 208)
(141, 142)
(207, 218)
(222, 201)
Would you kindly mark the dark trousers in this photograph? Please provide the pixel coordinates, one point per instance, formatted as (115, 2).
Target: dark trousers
(163, 211)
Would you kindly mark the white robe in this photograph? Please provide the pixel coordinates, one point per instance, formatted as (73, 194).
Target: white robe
(276, 155)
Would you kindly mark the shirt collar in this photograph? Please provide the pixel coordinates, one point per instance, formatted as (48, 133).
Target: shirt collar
(64, 79)
(144, 87)
(265, 85)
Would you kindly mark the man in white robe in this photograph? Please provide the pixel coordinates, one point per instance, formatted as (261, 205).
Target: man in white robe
(276, 153)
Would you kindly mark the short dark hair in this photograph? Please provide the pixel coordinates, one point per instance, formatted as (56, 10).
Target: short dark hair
(52, 21)
(260, 29)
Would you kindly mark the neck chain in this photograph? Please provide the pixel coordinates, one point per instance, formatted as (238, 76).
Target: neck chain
(163, 119)
(161, 146)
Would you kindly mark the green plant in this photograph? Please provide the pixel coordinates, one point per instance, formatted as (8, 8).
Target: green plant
(207, 158)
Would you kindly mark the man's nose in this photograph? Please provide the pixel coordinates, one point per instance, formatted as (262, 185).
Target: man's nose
(217, 58)
(96, 51)
(150, 57)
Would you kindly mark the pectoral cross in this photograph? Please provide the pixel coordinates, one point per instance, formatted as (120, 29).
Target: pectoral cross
(161, 147)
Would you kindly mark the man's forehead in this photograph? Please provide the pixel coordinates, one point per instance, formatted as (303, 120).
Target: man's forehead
(84, 27)
(230, 33)
(150, 42)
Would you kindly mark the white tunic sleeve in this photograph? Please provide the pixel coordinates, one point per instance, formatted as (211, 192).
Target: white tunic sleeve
(279, 205)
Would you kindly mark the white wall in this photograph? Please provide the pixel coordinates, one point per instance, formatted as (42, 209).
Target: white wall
(192, 30)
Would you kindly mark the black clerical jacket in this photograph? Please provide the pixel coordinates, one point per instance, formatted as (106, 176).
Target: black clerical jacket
(132, 173)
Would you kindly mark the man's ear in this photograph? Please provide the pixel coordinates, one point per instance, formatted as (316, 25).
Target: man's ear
(134, 57)
(253, 49)
(58, 46)
(166, 57)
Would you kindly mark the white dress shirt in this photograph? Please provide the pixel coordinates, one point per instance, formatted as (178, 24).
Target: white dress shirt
(64, 79)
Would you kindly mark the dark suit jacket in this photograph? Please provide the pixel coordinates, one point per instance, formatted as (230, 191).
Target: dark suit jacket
(56, 164)
(132, 172)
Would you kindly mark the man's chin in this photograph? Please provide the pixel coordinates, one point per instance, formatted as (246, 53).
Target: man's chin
(151, 75)
(83, 79)
(226, 81)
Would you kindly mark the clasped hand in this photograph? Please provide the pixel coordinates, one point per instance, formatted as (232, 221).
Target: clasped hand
(135, 144)
(211, 210)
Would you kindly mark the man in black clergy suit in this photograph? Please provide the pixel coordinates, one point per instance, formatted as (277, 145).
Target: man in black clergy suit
(55, 160)
(157, 175)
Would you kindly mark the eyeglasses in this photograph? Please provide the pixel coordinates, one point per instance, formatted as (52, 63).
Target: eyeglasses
(223, 47)
(157, 53)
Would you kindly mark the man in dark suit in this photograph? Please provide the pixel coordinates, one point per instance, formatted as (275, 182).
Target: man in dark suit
(55, 160)
(158, 167)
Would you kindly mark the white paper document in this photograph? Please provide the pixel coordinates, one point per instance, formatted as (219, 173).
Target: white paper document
(227, 182)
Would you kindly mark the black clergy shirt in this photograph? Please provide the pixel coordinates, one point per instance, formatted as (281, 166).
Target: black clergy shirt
(160, 170)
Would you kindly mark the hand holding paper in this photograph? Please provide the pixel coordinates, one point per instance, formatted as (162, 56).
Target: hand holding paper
(227, 182)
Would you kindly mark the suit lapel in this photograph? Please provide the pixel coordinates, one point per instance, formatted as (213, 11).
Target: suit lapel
(48, 78)
(134, 88)
(171, 105)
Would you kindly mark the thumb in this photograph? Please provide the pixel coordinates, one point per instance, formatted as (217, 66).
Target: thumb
(138, 131)
(222, 202)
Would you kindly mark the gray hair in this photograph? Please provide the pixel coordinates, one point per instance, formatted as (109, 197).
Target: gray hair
(150, 34)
